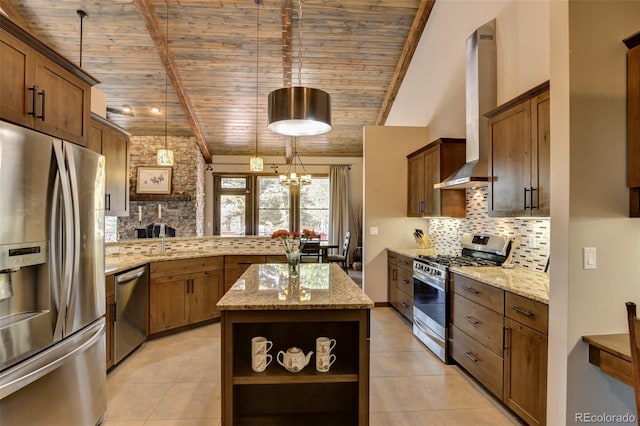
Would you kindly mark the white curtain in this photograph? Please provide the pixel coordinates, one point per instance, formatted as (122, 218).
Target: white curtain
(339, 203)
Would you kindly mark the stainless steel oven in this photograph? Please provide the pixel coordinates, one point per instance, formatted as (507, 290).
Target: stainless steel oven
(430, 307)
(431, 286)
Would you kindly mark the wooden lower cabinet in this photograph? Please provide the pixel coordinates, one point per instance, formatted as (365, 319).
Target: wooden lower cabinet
(235, 265)
(500, 338)
(400, 283)
(278, 397)
(110, 318)
(178, 298)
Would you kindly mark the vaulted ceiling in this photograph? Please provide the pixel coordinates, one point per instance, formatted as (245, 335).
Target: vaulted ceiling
(219, 59)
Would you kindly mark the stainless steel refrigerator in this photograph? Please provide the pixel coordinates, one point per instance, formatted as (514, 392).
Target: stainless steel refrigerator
(52, 298)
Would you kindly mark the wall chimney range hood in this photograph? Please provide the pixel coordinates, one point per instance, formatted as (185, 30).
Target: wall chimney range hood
(481, 89)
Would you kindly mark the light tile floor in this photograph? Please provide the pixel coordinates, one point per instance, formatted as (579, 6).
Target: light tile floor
(175, 381)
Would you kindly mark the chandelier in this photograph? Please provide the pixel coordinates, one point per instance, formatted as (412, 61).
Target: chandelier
(293, 176)
(299, 110)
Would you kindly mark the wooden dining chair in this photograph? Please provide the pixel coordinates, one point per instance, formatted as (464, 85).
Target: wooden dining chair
(343, 257)
(634, 340)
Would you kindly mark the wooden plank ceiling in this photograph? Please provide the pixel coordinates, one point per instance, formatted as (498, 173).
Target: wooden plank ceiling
(356, 50)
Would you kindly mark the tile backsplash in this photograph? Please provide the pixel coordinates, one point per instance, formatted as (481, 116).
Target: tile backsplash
(532, 250)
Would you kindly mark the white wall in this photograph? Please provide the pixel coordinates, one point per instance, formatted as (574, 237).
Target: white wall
(240, 164)
(385, 199)
(598, 199)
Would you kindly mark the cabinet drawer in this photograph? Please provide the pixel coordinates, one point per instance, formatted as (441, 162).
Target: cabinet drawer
(242, 262)
(404, 303)
(484, 294)
(185, 266)
(526, 311)
(405, 262)
(483, 364)
(484, 325)
(392, 257)
(405, 281)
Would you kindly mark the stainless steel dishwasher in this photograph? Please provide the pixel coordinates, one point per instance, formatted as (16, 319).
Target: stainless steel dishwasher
(130, 326)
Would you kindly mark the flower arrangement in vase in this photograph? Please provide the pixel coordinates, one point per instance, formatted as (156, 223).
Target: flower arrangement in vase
(293, 243)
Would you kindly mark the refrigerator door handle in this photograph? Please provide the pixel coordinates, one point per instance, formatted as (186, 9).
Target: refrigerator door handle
(73, 233)
(56, 259)
(67, 270)
(40, 365)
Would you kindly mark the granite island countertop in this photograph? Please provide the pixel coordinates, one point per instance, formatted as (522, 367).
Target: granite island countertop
(321, 286)
(525, 282)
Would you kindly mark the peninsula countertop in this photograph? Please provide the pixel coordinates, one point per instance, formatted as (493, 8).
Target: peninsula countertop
(321, 286)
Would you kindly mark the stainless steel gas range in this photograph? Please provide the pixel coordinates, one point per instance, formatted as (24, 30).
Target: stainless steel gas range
(431, 286)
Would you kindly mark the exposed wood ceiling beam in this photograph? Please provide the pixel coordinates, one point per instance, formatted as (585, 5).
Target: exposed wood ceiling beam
(153, 26)
(13, 14)
(419, 23)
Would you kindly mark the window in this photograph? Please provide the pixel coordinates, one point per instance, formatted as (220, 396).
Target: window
(277, 206)
(232, 202)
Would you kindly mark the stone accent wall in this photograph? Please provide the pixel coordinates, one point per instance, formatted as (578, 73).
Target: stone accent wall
(445, 233)
(184, 209)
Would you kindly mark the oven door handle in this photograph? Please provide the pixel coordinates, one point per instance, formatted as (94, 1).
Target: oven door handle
(431, 283)
(426, 329)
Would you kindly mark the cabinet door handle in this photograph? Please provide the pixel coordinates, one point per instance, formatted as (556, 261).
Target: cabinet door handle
(526, 190)
(405, 281)
(471, 357)
(506, 338)
(471, 290)
(537, 196)
(472, 320)
(404, 305)
(107, 201)
(33, 89)
(522, 311)
(43, 94)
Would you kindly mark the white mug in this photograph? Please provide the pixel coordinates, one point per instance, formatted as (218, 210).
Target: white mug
(324, 345)
(324, 361)
(260, 345)
(259, 362)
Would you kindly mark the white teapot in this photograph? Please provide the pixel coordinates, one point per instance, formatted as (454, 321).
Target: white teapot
(294, 360)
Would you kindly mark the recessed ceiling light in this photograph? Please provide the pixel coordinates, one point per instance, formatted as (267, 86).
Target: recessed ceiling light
(155, 110)
(126, 108)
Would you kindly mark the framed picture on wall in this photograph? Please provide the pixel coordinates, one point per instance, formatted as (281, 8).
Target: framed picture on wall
(154, 180)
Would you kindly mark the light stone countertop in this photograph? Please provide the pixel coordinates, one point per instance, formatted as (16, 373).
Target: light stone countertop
(519, 280)
(412, 252)
(115, 263)
(321, 286)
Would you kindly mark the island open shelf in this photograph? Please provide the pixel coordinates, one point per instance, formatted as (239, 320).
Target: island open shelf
(277, 396)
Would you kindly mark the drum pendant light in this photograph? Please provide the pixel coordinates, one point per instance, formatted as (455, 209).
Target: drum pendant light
(299, 110)
(164, 155)
(256, 164)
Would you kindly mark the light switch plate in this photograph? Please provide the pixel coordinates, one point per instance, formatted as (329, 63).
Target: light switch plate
(373, 230)
(589, 258)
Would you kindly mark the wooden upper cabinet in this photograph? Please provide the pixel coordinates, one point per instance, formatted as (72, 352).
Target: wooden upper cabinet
(519, 150)
(428, 166)
(41, 89)
(633, 123)
(113, 142)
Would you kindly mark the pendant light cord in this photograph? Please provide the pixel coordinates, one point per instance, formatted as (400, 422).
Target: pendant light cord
(166, 77)
(299, 42)
(257, 65)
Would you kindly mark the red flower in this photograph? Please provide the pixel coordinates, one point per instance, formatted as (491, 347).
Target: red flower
(280, 233)
(309, 234)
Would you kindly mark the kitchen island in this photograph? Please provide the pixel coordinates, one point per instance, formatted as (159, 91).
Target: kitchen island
(323, 301)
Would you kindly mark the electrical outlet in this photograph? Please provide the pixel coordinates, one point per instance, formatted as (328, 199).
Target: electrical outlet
(533, 241)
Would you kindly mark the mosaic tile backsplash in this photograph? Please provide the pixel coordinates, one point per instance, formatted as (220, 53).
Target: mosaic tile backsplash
(532, 250)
